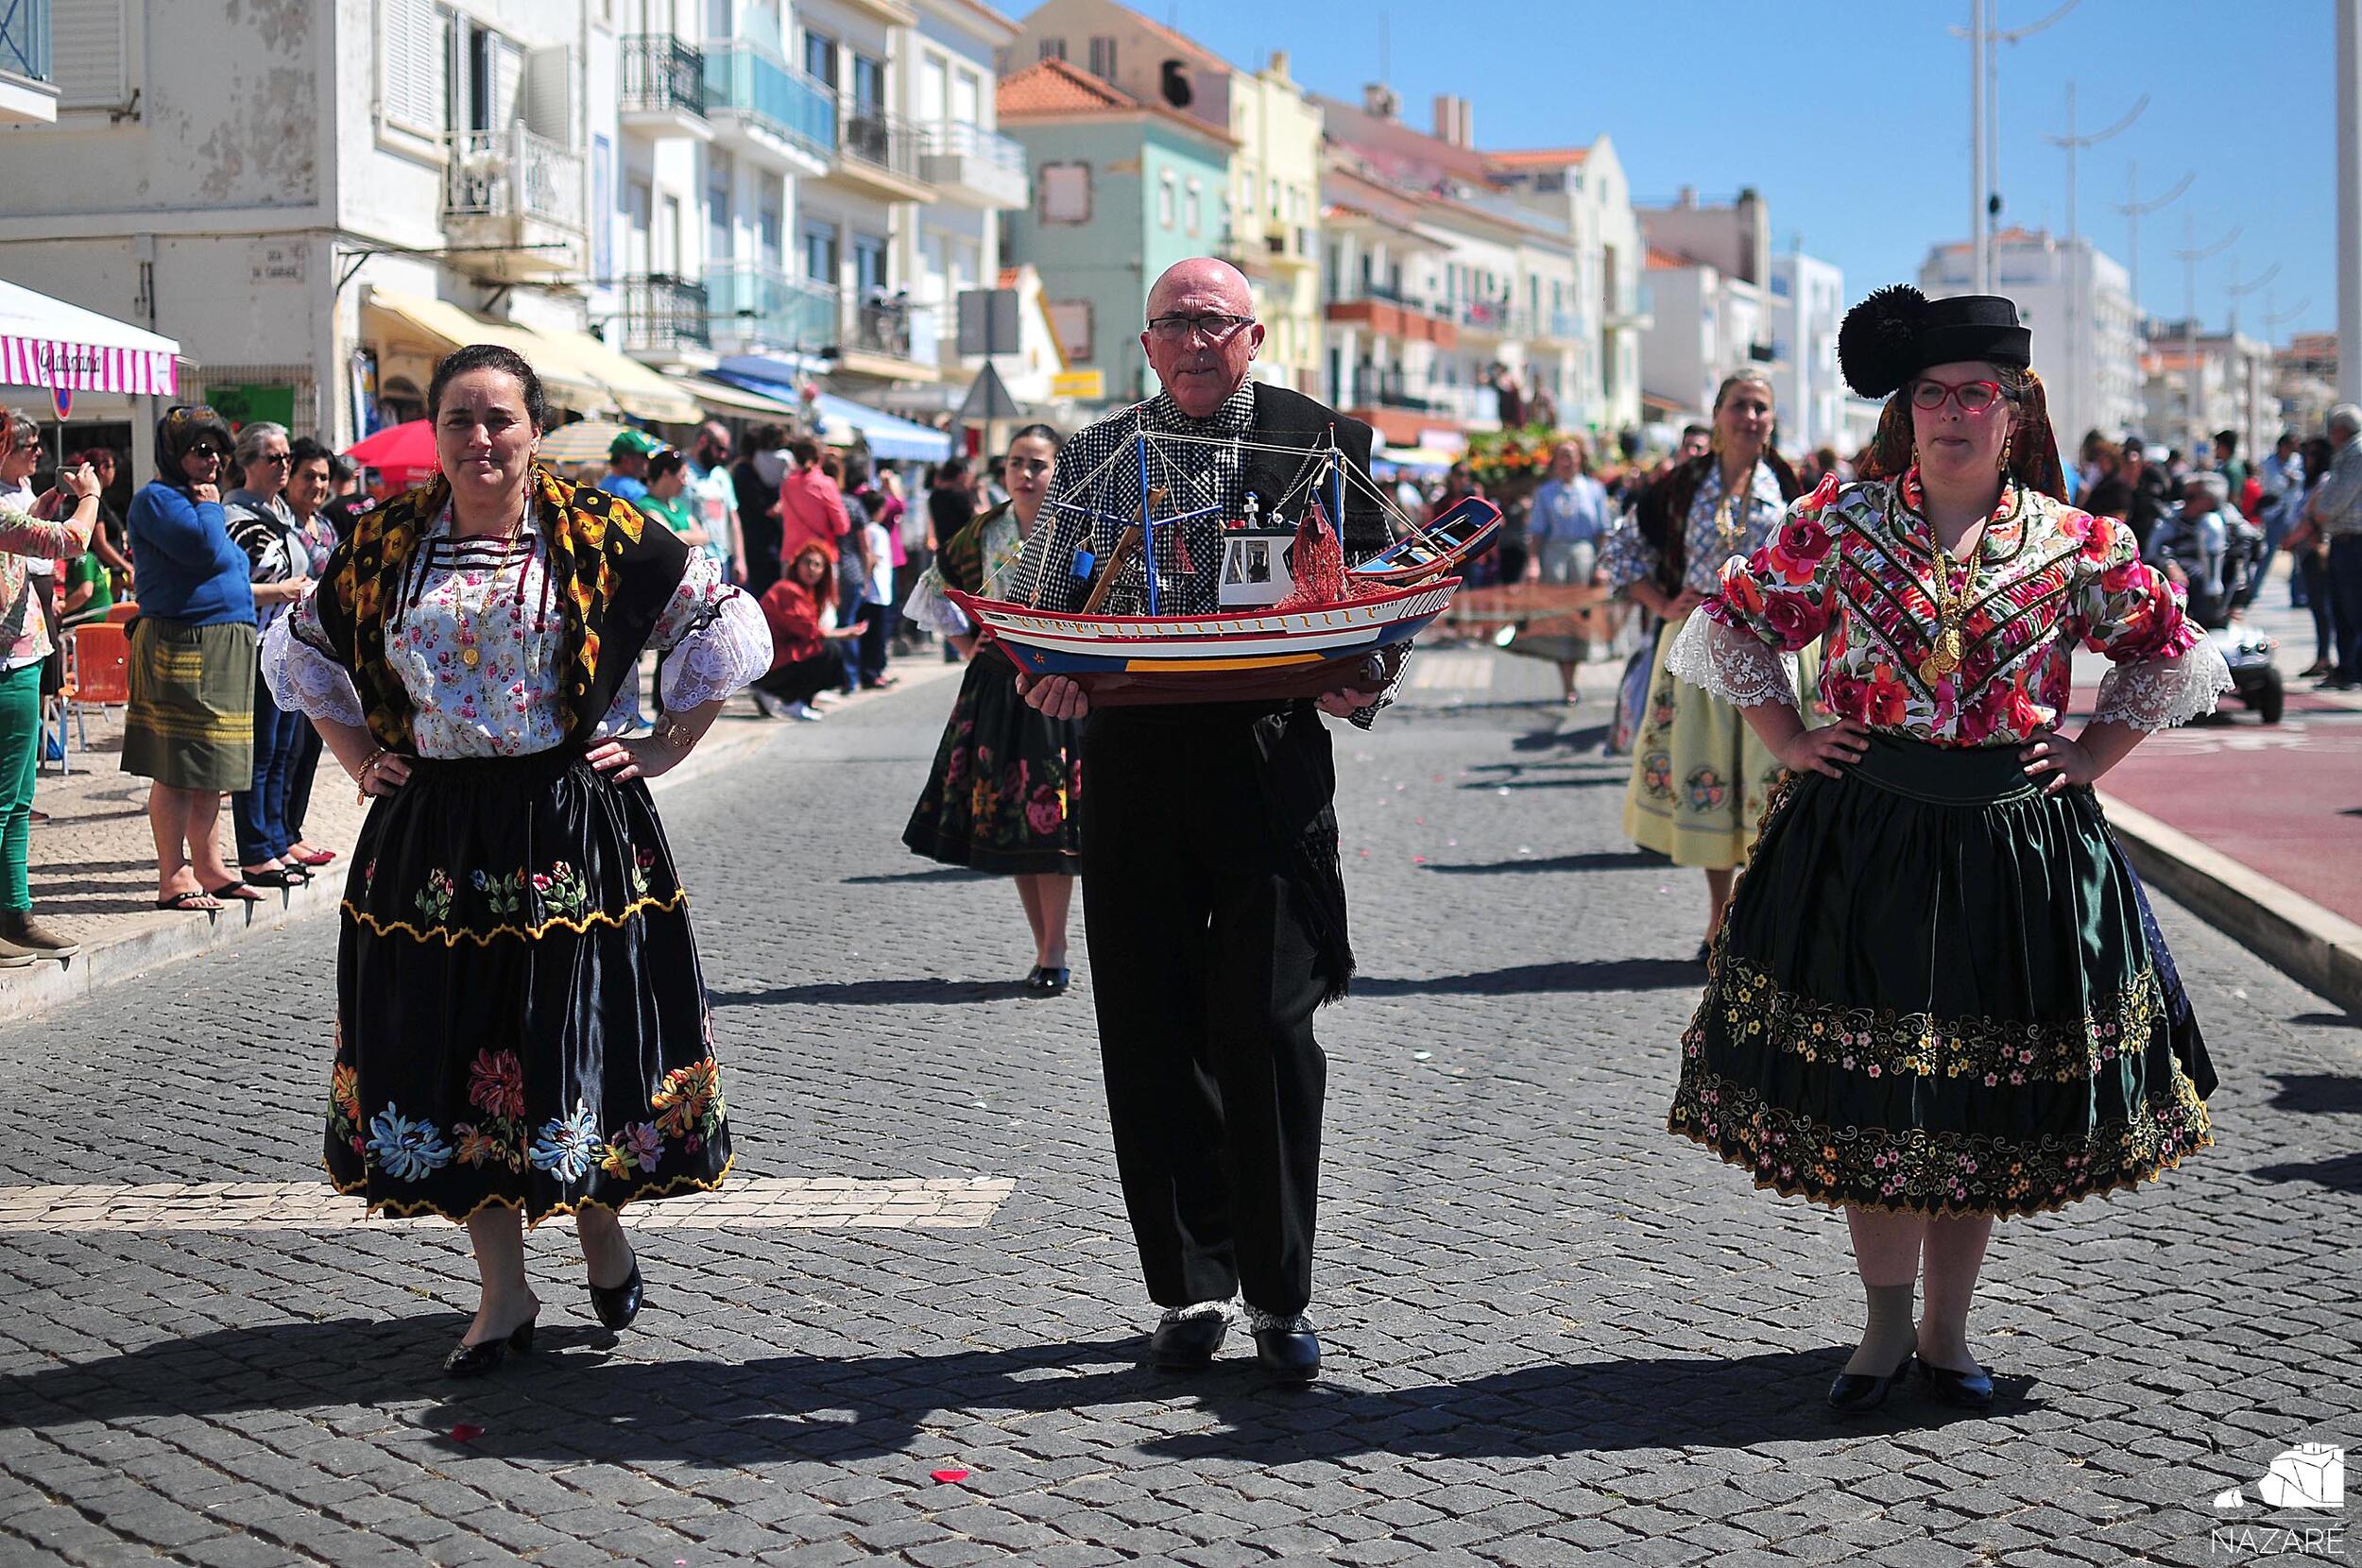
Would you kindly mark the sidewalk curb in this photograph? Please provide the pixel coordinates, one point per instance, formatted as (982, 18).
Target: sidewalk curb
(25, 993)
(2319, 949)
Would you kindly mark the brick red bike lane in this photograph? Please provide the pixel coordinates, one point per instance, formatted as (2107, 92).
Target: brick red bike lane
(2284, 800)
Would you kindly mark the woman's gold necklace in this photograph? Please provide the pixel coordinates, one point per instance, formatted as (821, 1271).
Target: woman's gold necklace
(470, 638)
(1944, 654)
(1727, 532)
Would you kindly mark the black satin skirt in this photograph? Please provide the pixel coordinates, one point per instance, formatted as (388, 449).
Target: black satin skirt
(1939, 991)
(521, 1015)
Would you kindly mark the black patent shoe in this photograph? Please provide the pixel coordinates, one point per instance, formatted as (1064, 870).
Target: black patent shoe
(1186, 1345)
(617, 1305)
(1858, 1393)
(467, 1360)
(1291, 1356)
(1963, 1390)
(1046, 981)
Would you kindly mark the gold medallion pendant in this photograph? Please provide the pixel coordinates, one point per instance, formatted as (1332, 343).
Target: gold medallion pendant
(470, 655)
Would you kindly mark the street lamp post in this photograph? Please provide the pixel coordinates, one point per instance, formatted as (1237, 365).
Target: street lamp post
(2135, 209)
(1985, 97)
(2236, 290)
(2077, 271)
(2191, 255)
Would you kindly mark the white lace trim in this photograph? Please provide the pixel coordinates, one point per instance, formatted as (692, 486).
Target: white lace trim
(719, 658)
(2162, 692)
(1736, 666)
(305, 680)
(931, 608)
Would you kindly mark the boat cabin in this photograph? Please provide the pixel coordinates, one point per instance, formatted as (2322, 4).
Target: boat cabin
(1255, 566)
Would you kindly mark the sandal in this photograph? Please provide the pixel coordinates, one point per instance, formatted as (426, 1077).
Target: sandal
(234, 891)
(276, 877)
(305, 855)
(194, 902)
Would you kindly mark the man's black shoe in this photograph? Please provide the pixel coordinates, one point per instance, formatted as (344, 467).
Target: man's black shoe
(1186, 1345)
(1286, 1346)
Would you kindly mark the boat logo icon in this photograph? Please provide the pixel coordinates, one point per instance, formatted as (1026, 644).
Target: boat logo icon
(2310, 1476)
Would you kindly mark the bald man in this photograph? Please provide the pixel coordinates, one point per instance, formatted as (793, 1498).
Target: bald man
(1214, 905)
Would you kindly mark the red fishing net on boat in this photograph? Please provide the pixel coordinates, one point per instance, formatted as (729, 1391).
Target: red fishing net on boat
(1317, 564)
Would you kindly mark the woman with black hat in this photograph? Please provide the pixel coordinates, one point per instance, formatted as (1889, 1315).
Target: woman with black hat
(1938, 999)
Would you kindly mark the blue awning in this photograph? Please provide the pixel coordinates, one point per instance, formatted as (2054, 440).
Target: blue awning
(888, 437)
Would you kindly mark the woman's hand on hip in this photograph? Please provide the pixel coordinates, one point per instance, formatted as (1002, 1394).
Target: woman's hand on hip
(2058, 764)
(382, 774)
(1828, 750)
(644, 756)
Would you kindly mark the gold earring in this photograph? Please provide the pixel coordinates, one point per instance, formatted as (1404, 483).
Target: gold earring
(2006, 439)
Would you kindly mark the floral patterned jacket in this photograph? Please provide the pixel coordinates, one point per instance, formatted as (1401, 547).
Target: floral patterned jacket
(1858, 564)
(23, 636)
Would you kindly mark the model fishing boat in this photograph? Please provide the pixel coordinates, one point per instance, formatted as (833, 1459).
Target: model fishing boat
(1290, 618)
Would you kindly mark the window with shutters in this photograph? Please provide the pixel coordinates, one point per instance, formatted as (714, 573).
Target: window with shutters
(1071, 320)
(551, 83)
(1054, 48)
(1104, 58)
(1065, 193)
(92, 61)
(412, 64)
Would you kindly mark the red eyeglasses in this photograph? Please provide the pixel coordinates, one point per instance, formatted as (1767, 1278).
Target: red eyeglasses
(1975, 397)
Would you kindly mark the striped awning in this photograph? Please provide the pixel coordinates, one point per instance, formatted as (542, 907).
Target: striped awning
(50, 344)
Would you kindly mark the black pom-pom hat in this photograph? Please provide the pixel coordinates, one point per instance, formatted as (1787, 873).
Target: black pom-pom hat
(1899, 332)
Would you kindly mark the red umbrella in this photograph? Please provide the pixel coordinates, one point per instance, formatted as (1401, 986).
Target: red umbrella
(398, 452)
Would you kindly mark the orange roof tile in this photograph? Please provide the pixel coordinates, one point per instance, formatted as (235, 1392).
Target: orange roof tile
(1661, 260)
(1054, 87)
(1539, 158)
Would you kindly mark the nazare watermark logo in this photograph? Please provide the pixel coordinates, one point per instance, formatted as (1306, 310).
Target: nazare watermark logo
(2309, 1480)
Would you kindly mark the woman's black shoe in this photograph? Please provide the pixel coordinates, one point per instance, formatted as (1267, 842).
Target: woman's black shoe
(475, 1360)
(1046, 981)
(1858, 1393)
(1967, 1391)
(617, 1305)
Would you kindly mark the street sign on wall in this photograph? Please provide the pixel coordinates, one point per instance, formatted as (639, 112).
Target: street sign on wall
(1087, 387)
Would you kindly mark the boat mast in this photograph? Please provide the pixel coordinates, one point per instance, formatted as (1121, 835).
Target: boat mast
(1148, 528)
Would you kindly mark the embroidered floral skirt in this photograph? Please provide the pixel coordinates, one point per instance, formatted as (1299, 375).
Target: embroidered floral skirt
(1699, 778)
(521, 1015)
(1939, 991)
(1002, 793)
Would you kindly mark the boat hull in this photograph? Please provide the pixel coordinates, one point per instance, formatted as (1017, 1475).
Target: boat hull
(1234, 657)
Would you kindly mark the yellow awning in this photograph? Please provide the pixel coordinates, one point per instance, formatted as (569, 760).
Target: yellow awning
(638, 390)
(736, 400)
(439, 327)
(577, 370)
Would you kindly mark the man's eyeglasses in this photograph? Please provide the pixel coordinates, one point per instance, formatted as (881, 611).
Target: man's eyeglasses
(1214, 328)
(1975, 397)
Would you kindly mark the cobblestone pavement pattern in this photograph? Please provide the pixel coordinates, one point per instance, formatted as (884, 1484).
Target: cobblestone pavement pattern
(1554, 1331)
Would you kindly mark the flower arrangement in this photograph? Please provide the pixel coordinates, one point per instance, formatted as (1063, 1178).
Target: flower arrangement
(1512, 461)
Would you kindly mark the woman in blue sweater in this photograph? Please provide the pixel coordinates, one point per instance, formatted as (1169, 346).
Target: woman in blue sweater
(192, 720)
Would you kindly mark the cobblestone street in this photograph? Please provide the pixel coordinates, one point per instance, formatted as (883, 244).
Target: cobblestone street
(1554, 1331)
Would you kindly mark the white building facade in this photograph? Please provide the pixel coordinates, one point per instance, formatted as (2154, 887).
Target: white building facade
(1808, 306)
(1585, 188)
(1707, 325)
(2078, 301)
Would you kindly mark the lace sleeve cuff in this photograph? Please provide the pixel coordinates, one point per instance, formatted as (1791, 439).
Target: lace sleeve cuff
(1735, 665)
(930, 608)
(2162, 692)
(728, 650)
(307, 680)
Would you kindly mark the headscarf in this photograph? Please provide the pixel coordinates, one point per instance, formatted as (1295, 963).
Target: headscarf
(181, 428)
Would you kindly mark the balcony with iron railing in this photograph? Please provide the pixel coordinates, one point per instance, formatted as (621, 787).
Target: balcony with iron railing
(761, 105)
(969, 164)
(890, 328)
(880, 152)
(1492, 317)
(755, 309)
(1631, 308)
(28, 96)
(664, 88)
(663, 314)
(517, 197)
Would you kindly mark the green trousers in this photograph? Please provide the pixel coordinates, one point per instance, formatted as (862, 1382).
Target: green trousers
(20, 761)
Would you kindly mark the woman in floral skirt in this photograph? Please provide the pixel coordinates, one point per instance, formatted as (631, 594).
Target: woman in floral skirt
(1698, 777)
(522, 1025)
(1939, 998)
(1002, 793)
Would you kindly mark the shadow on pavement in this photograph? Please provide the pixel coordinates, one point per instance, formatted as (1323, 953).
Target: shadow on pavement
(2339, 1172)
(1587, 781)
(933, 874)
(1597, 860)
(1621, 974)
(1585, 739)
(570, 1401)
(873, 992)
(2325, 1092)
(2330, 1020)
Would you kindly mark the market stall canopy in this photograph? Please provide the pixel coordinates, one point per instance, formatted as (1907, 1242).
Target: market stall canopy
(48, 343)
(578, 370)
(584, 441)
(841, 419)
(721, 398)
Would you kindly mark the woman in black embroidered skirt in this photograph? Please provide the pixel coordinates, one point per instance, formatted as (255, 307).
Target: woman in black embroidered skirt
(1003, 793)
(522, 1025)
(1939, 998)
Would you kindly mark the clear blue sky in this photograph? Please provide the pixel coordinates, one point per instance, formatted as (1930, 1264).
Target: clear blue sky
(1851, 116)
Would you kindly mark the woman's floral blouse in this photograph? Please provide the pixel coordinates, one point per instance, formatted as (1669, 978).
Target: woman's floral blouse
(1628, 558)
(1859, 563)
(23, 636)
(494, 597)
